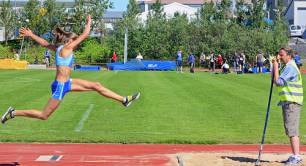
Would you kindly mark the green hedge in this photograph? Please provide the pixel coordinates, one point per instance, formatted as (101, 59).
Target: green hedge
(6, 52)
(91, 51)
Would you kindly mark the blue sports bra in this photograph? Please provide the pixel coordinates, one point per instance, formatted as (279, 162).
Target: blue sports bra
(60, 61)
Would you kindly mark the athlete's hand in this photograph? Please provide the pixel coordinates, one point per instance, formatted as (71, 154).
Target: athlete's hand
(25, 32)
(88, 20)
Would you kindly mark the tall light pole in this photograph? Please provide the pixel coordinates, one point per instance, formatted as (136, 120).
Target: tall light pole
(126, 44)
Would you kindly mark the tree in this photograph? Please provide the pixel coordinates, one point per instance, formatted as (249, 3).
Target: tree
(135, 32)
(131, 13)
(243, 12)
(156, 36)
(7, 19)
(280, 35)
(224, 11)
(258, 14)
(52, 13)
(178, 33)
(32, 12)
(131, 21)
(115, 40)
(214, 29)
(207, 13)
(82, 8)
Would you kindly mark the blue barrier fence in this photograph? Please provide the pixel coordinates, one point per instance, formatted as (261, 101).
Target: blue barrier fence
(92, 68)
(136, 65)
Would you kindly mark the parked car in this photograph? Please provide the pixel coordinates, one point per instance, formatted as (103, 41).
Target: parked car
(296, 31)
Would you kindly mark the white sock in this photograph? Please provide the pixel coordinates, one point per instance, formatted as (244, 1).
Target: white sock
(297, 156)
(125, 99)
(13, 114)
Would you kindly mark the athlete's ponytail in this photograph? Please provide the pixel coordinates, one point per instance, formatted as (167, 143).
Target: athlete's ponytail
(62, 36)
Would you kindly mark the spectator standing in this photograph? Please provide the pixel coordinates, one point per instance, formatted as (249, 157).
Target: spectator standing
(219, 61)
(297, 59)
(236, 59)
(202, 59)
(179, 61)
(260, 60)
(191, 61)
(207, 61)
(114, 57)
(241, 61)
(47, 58)
(212, 64)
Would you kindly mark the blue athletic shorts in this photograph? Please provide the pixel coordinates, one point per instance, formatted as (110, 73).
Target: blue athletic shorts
(179, 63)
(59, 89)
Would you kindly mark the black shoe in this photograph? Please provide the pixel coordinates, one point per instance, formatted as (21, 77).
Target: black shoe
(130, 99)
(7, 115)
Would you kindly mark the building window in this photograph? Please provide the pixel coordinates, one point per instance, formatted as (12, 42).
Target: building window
(196, 6)
(142, 7)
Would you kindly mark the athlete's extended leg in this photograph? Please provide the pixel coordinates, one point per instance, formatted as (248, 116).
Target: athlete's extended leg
(79, 85)
(50, 107)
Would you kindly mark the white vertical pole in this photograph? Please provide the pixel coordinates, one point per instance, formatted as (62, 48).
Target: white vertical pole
(20, 51)
(126, 44)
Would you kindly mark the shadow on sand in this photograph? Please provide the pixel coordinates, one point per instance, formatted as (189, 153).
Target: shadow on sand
(244, 159)
(9, 164)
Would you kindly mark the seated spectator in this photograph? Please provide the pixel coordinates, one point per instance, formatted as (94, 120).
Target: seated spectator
(247, 68)
(225, 68)
(16, 55)
(139, 57)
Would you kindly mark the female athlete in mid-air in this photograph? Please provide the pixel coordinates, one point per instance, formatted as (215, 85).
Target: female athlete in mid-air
(63, 82)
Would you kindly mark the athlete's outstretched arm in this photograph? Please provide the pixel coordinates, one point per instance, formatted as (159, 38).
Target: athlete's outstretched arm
(83, 36)
(27, 32)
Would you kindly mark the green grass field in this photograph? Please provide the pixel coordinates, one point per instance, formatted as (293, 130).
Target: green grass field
(173, 108)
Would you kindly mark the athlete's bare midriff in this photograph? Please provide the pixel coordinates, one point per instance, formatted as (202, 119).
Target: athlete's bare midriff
(63, 73)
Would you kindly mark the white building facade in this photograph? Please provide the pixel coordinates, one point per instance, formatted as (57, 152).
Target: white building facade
(170, 10)
(170, 7)
(296, 13)
(145, 5)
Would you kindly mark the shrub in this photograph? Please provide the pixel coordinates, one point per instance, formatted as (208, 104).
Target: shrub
(92, 52)
(6, 52)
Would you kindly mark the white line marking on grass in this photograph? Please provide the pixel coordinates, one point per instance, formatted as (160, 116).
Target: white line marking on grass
(22, 80)
(84, 118)
(155, 133)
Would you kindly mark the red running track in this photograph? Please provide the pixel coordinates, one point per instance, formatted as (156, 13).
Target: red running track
(12, 154)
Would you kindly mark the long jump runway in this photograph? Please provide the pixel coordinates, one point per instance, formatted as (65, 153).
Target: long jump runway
(13, 154)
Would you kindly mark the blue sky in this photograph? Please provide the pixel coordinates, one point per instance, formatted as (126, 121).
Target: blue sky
(119, 5)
